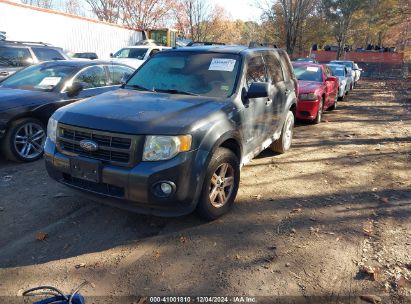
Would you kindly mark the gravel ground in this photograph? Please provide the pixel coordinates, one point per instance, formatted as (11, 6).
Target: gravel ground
(331, 218)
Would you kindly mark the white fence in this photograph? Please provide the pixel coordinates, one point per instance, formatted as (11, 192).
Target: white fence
(73, 34)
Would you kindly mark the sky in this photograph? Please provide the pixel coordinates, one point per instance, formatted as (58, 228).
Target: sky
(240, 9)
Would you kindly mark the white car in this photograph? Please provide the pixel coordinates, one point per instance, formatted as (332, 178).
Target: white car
(135, 56)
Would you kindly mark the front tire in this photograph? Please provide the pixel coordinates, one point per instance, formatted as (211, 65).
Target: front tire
(220, 185)
(24, 140)
(283, 144)
(317, 120)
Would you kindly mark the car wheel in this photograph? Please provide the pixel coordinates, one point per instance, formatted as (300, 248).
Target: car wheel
(24, 140)
(334, 106)
(317, 120)
(220, 184)
(283, 144)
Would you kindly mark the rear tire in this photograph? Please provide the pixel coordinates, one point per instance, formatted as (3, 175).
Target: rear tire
(283, 144)
(24, 140)
(220, 185)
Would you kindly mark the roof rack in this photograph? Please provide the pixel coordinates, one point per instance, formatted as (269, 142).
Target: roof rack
(198, 43)
(26, 42)
(255, 44)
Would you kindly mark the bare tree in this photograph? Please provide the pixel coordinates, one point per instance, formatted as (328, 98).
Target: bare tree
(290, 14)
(199, 15)
(106, 10)
(40, 3)
(146, 14)
(340, 13)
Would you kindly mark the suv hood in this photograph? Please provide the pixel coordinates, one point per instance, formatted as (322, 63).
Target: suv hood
(136, 112)
(305, 86)
(15, 98)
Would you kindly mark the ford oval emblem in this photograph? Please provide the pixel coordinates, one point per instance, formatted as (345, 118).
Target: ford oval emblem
(88, 145)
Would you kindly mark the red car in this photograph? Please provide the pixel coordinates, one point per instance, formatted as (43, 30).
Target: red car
(317, 90)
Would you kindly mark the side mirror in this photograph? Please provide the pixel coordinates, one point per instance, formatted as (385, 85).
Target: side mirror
(75, 89)
(258, 90)
(111, 55)
(331, 78)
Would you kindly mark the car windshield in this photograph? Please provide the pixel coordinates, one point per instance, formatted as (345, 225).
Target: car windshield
(337, 70)
(38, 77)
(136, 53)
(348, 64)
(310, 73)
(191, 73)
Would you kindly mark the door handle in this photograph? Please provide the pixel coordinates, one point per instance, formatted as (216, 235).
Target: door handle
(4, 73)
(287, 92)
(268, 102)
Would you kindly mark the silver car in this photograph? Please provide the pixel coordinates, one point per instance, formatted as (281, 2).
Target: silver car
(344, 76)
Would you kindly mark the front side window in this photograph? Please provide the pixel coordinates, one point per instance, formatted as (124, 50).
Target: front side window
(117, 73)
(92, 77)
(136, 53)
(15, 57)
(256, 71)
(39, 77)
(308, 73)
(274, 69)
(206, 74)
(44, 54)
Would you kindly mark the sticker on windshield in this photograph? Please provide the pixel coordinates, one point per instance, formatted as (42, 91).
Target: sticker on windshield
(49, 81)
(312, 69)
(222, 64)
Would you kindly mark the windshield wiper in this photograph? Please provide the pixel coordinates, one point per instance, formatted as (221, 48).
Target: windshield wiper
(138, 87)
(174, 91)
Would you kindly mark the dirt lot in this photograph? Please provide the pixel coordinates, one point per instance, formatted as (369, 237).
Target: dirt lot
(331, 218)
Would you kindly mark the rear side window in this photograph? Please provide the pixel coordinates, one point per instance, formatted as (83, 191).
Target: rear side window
(44, 54)
(275, 72)
(92, 77)
(15, 57)
(256, 71)
(117, 73)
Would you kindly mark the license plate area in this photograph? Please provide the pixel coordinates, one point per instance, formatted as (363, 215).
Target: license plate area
(86, 169)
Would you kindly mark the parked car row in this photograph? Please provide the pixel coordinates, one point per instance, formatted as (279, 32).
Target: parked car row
(170, 137)
(322, 85)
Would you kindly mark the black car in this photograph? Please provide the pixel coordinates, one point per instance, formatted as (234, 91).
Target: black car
(15, 55)
(174, 138)
(29, 97)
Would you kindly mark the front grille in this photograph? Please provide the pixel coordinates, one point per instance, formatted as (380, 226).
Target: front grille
(113, 148)
(101, 188)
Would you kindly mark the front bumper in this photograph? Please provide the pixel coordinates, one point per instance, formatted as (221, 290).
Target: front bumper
(132, 188)
(307, 110)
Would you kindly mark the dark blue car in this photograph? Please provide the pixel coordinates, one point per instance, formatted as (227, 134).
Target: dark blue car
(29, 97)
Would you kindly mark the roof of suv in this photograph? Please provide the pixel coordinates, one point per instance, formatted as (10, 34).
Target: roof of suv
(230, 49)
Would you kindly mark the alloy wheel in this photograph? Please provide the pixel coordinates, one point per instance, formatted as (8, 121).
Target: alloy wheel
(29, 140)
(222, 185)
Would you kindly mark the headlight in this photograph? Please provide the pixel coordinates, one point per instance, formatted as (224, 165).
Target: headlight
(165, 147)
(52, 129)
(310, 96)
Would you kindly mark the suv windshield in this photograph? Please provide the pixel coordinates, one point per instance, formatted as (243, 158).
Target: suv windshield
(15, 57)
(193, 73)
(309, 73)
(136, 53)
(337, 71)
(38, 77)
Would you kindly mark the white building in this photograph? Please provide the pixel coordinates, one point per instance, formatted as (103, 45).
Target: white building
(72, 33)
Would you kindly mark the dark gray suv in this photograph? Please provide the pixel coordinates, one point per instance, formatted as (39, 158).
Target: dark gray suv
(174, 138)
(15, 55)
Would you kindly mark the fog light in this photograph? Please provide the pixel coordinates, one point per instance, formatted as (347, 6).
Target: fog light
(166, 188)
(163, 189)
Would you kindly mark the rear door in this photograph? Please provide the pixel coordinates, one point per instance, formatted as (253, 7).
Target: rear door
(290, 84)
(277, 90)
